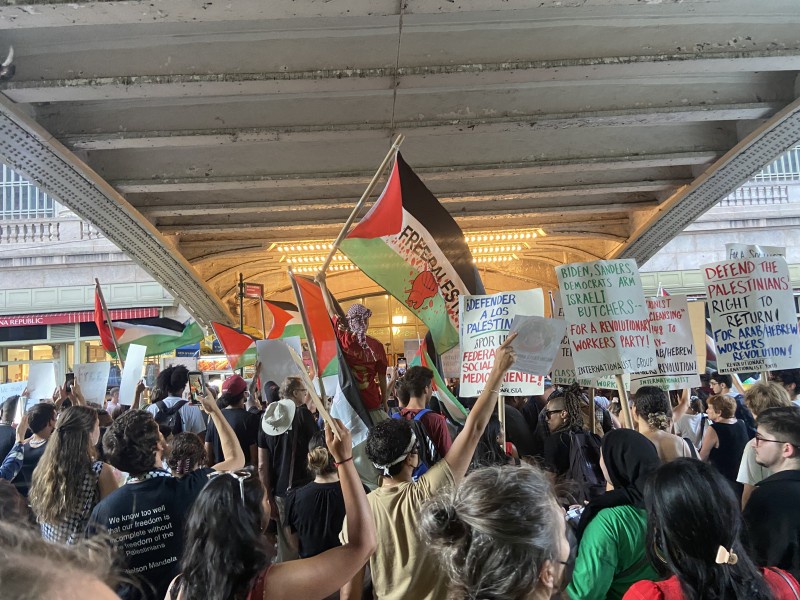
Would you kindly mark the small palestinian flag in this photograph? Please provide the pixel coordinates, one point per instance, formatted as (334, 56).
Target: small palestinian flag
(159, 335)
(286, 321)
(454, 408)
(410, 245)
(239, 347)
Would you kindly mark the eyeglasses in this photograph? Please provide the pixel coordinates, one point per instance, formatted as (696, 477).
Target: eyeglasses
(760, 439)
(241, 476)
(547, 413)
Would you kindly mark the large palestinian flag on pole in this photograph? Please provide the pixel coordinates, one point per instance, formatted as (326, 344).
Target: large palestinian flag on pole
(410, 245)
(451, 403)
(286, 321)
(159, 335)
(240, 348)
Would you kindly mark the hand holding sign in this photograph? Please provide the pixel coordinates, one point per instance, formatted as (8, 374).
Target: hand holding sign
(538, 342)
(505, 355)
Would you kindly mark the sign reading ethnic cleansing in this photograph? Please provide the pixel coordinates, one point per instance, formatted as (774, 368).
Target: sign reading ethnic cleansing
(674, 344)
(609, 330)
(485, 322)
(752, 314)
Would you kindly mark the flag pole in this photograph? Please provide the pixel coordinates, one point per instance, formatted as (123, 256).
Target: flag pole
(263, 322)
(312, 349)
(108, 320)
(371, 186)
(623, 401)
(501, 416)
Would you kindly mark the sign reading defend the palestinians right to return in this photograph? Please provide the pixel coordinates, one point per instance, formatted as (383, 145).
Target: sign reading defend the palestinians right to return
(753, 319)
(609, 329)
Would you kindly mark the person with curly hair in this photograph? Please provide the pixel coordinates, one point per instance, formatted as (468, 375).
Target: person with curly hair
(171, 383)
(69, 481)
(402, 567)
(186, 454)
(652, 415)
(146, 515)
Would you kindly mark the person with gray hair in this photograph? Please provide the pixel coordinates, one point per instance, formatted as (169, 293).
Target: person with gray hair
(500, 534)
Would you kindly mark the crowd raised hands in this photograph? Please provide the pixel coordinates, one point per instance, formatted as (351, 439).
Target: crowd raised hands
(135, 509)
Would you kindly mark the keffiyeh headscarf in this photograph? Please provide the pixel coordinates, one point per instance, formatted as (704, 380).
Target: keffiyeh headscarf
(385, 468)
(357, 316)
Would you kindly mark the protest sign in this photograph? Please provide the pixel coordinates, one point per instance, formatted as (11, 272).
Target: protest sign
(738, 251)
(608, 329)
(132, 373)
(41, 381)
(753, 319)
(451, 363)
(276, 362)
(671, 329)
(485, 322)
(93, 380)
(13, 389)
(538, 340)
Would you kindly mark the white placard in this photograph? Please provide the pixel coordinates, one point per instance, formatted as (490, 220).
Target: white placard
(41, 381)
(276, 362)
(93, 380)
(132, 373)
(609, 330)
(537, 342)
(738, 251)
(485, 322)
(451, 363)
(753, 320)
(13, 389)
(672, 336)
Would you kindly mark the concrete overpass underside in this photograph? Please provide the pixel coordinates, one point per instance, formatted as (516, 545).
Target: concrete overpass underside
(202, 137)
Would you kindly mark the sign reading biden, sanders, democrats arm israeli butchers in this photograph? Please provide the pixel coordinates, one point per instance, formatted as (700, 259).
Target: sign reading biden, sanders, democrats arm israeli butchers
(484, 324)
(752, 312)
(609, 330)
(674, 344)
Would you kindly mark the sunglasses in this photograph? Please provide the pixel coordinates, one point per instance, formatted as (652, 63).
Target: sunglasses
(547, 413)
(241, 476)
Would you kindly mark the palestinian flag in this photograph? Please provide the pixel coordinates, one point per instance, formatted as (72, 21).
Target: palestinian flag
(410, 245)
(286, 321)
(340, 385)
(239, 347)
(454, 408)
(159, 335)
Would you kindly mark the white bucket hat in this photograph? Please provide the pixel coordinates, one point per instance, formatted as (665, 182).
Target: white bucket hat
(278, 417)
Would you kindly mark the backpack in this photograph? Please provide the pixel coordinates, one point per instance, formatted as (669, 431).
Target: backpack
(743, 414)
(428, 455)
(169, 419)
(584, 465)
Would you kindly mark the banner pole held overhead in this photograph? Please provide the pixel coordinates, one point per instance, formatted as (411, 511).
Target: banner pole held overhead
(371, 186)
(623, 401)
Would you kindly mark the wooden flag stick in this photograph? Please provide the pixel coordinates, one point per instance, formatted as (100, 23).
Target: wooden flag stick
(263, 321)
(312, 349)
(371, 186)
(592, 414)
(501, 416)
(326, 416)
(623, 401)
(108, 320)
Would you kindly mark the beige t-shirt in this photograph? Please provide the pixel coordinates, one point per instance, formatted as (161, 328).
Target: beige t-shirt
(402, 567)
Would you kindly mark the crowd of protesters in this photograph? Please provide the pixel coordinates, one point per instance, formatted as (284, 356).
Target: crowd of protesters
(247, 494)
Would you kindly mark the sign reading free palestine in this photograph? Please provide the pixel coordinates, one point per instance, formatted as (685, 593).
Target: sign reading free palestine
(609, 328)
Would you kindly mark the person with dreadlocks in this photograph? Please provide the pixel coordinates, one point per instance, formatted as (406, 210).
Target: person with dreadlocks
(563, 415)
(364, 354)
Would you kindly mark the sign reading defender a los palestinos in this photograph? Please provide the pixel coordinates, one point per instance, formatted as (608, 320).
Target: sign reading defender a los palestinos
(410, 245)
(751, 306)
(563, 370)
(609, 329)
(671, 329)
(485, 323)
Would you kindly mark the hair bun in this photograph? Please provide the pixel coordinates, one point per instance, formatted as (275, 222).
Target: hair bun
(444, 523)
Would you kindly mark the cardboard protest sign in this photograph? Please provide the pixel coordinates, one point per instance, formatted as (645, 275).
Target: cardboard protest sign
(132, 373)
(737, 251)
(276, 362)
(93, 380)
(41, 381)
(485, 322)
(671, 328)
(752, 313)
(538, 340)
(604, 304)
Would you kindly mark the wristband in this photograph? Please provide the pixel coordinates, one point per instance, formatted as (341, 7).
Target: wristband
(339, 464)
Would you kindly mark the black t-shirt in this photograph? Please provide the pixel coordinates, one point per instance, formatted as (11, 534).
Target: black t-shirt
(30, 459)
(8, 436)
(316, 513)
(147, 521)
(517, 431)
(279, 448)
(245, 425)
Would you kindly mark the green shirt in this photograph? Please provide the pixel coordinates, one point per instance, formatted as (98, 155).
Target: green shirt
(613, 543)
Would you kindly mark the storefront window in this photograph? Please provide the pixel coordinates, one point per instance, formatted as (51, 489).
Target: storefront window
(45, 352)
(93, 351)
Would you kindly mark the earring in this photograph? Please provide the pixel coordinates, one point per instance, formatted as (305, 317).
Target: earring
(657, 552)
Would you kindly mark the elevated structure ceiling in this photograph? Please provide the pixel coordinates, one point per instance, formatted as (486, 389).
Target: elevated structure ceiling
(203, 134)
